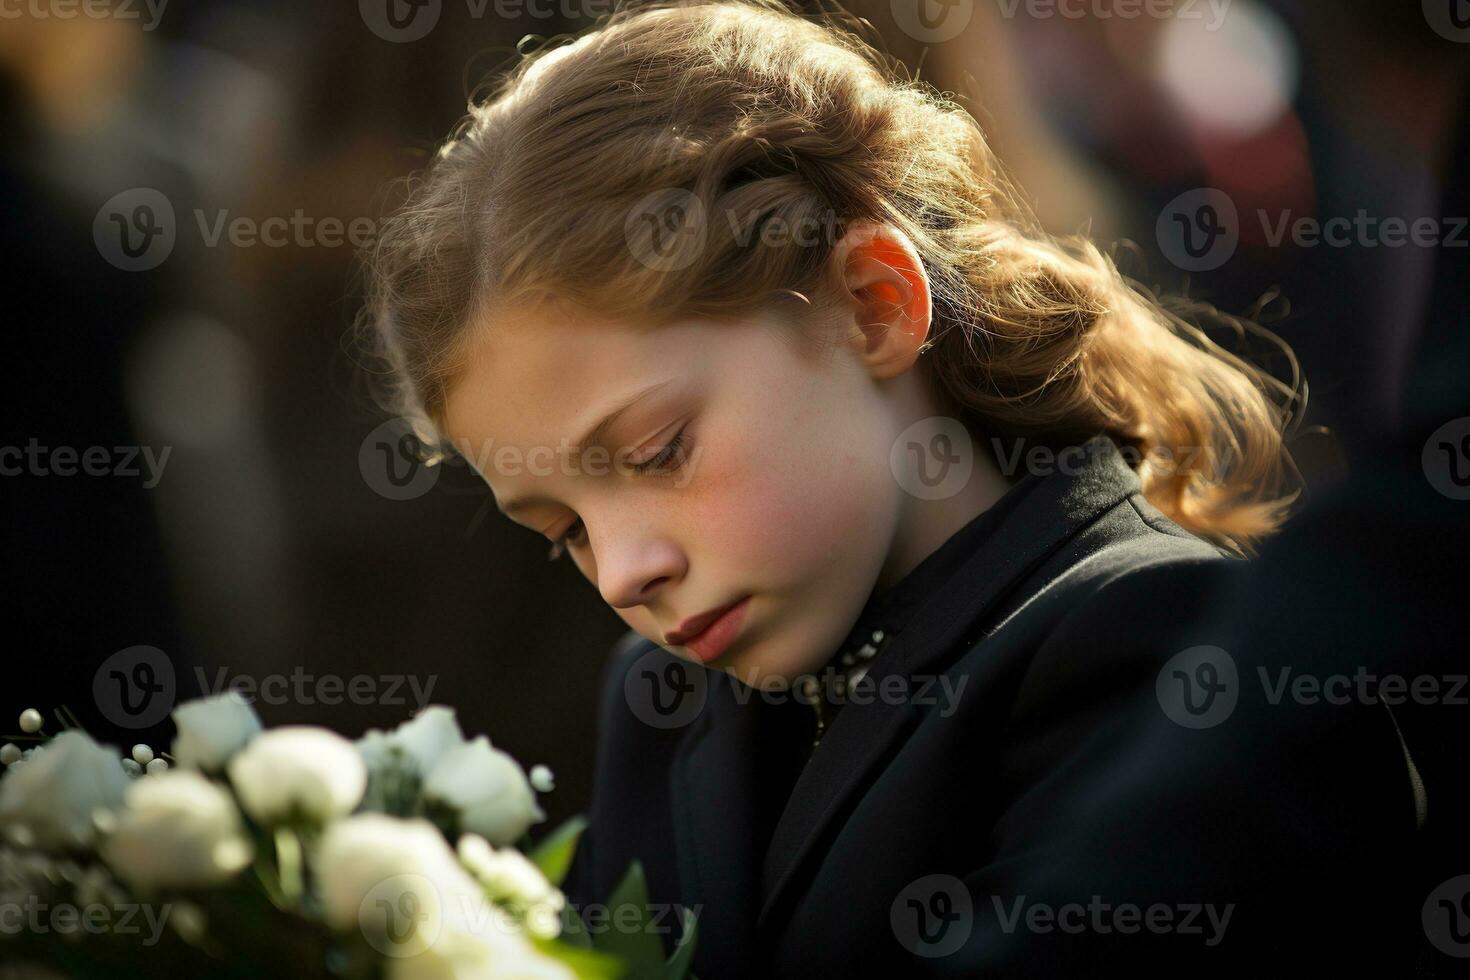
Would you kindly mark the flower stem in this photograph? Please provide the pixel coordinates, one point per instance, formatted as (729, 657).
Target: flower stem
(288, 863)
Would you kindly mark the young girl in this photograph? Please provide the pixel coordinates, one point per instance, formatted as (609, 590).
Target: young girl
(755, 332)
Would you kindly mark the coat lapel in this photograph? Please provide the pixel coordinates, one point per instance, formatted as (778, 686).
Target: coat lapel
(712, 789)
(866, 732)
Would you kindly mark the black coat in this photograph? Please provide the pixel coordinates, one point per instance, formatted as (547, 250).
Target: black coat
(1062, 814)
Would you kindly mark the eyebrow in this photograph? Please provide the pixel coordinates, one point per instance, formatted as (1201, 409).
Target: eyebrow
(592, 435)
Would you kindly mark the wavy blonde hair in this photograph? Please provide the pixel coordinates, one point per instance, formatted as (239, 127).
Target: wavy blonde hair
(746, 110)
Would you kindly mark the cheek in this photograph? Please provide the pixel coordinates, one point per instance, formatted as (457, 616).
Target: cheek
(790, 505)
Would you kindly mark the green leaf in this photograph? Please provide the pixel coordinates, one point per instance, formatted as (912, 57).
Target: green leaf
(573, 929)
(638, 945)
(683, 958)
(554, 854)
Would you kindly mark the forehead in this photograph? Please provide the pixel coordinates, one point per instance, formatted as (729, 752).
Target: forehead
(531, 376)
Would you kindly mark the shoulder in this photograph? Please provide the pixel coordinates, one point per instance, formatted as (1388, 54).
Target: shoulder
(1116, 617)
(1132, 562)
(1100, 619)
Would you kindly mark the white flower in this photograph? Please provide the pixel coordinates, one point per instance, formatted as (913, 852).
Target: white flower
(298, 770)
(179, 830)
(487, 788)
(398, 760)
(396, 880)
(506, 873)
(357, 855)
(49, 799)
(424, 739)
(458, 956)
(212, 729)
(543, 780)
(509, 876)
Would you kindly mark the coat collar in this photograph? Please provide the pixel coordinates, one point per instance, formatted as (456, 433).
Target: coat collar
(714, 775)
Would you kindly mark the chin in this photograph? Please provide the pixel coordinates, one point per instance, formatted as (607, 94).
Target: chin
(769, 665)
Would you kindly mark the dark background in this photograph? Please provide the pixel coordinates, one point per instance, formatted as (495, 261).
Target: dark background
(265, 547)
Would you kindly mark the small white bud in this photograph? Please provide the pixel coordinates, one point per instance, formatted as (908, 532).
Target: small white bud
(30, 721)
(157, 766)
(542, 779)
(143, 754)
(9, 753)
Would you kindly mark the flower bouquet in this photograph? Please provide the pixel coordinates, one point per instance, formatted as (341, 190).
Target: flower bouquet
(292, 851)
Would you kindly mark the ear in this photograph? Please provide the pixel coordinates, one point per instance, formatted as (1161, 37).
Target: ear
(889, 292)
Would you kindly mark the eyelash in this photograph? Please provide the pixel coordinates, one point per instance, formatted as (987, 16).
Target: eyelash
(676, 448)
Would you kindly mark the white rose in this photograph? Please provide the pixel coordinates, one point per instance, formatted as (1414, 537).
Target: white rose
(178, 830)
(487, 789)
(459, 956)
(509, 876)
(398, 760)
(298, 770)
(425, 738)
(396, 880)
(212, 729)
(506, 873)
(49, 799)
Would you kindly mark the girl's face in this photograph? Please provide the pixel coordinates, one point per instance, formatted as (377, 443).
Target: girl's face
(773, 489)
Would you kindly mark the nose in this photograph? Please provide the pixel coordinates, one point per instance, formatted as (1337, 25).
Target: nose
(634, 567)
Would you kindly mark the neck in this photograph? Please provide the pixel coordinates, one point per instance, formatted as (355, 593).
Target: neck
(923, 525)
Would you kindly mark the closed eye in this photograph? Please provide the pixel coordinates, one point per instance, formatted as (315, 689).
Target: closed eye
(559, 546)
(667, 460)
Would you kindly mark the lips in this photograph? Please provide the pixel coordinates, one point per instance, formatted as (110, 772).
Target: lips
(695, 625)
(710, 633)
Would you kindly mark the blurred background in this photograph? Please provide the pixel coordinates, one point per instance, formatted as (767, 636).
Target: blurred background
(184, 184)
